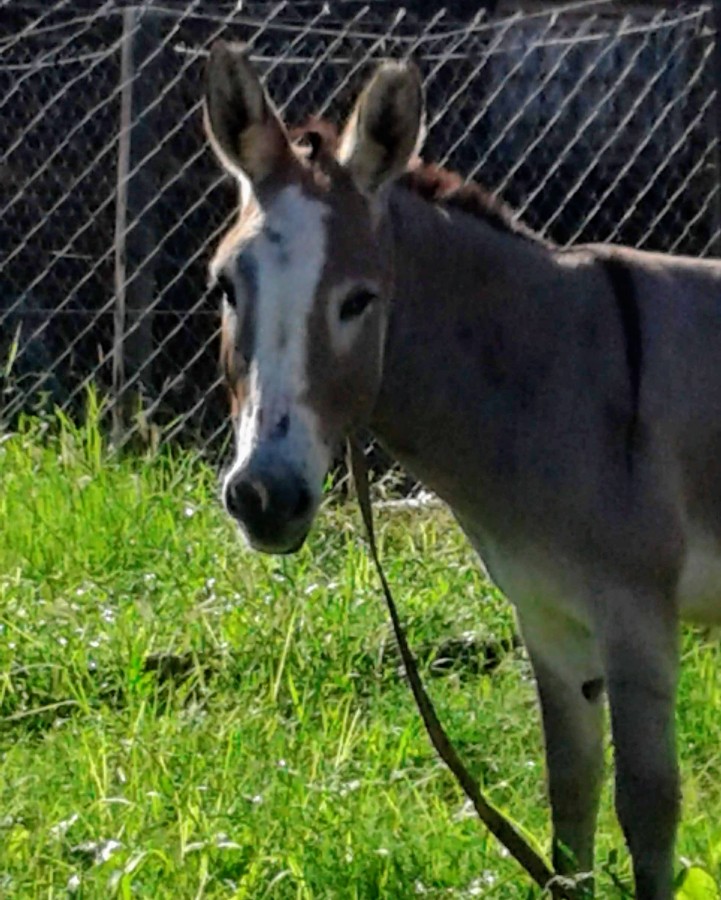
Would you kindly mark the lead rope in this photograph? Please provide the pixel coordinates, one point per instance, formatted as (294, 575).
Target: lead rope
(491, 817)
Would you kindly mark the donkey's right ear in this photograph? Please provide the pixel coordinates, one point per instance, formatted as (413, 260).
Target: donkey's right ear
(242, 126)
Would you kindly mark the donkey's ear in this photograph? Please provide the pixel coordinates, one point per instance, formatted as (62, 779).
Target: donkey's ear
(385, 128)
(242, 126)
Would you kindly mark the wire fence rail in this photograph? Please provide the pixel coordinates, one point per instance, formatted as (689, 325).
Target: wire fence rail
(597, 124)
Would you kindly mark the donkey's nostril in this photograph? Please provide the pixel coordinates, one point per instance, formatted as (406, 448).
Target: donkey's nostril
(274, 512)
(243, 500)
(302, 503)
(281, 427)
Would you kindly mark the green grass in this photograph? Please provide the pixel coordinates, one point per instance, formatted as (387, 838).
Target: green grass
(274, 752)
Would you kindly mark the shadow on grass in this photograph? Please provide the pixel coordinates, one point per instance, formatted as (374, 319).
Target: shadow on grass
(34, 700)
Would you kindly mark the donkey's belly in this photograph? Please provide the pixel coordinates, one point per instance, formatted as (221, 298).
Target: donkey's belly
(530, 580)
(700, 582)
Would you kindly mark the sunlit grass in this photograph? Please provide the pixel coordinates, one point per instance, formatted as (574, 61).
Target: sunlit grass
(272, 750)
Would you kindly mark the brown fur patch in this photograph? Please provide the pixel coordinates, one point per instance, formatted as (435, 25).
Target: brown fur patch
(249, 223)
(430, 181)
(325, 132)
(235, 381)
(439, 185)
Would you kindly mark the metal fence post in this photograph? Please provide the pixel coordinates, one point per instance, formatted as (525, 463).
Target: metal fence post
(717, 123)
(134, 226)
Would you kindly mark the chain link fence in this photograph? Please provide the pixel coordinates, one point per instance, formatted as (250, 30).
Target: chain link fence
(597, 124)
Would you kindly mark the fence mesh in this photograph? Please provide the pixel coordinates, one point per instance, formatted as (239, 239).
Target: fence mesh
(595, 123)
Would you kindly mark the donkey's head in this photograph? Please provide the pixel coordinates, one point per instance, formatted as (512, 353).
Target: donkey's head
(307, 276)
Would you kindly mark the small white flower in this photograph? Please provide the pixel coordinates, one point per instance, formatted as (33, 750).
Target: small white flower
(106, 849)
(96, 852)
(222, 842)
(192, 848)
(57, 831)
(349, 786)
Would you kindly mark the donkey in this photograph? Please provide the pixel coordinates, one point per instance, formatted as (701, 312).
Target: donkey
(565, 404)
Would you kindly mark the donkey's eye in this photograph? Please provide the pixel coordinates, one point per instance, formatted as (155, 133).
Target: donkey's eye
(356, 303)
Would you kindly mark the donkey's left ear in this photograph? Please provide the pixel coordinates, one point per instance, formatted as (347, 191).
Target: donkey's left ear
(385, 128)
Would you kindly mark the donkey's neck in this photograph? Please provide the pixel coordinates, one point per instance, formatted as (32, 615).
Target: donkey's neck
(462, 346)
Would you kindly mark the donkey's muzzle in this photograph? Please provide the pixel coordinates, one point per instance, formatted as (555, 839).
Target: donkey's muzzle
(273, 510)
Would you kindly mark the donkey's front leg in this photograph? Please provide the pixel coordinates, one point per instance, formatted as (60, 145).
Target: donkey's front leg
(641, 653)
(568, 675)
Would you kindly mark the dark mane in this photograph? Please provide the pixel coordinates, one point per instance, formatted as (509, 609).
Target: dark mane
(429, 181)
(439, 185)
(317, 134)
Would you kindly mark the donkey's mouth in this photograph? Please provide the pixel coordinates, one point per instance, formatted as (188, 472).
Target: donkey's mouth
(282, 542)
(277, 548)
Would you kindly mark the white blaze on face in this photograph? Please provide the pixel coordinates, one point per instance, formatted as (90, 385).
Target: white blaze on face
(289, 255)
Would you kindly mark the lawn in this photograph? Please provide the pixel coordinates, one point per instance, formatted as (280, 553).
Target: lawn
(181, 718)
